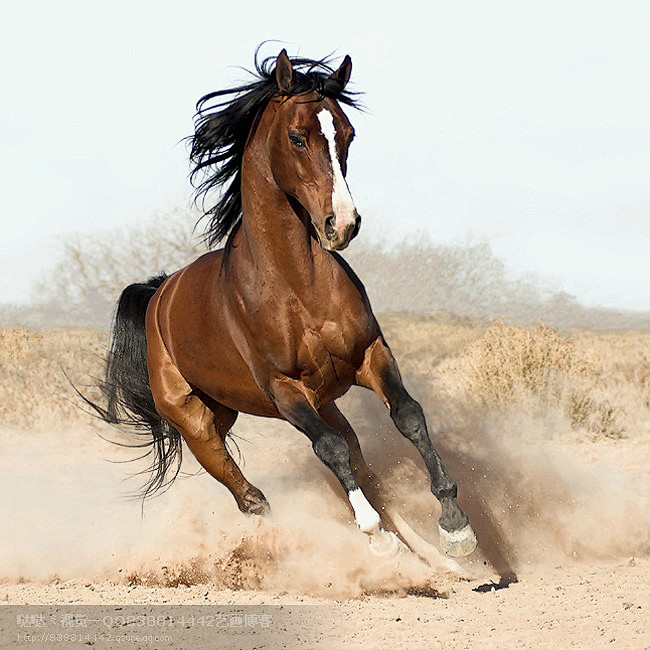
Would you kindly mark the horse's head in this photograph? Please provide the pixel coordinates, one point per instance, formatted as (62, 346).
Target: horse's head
(288, 124)
(308, 141)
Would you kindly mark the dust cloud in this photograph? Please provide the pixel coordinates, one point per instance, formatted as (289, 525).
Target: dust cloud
(535, 496)
(66, 518)
(532, 501)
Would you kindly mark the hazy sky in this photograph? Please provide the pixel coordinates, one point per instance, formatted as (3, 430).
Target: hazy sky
(522, 124)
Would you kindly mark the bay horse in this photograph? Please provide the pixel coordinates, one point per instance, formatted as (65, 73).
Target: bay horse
(275, 324)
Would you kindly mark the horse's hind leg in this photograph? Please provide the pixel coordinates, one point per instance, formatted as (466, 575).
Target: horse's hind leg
(205, 431)
(208, 446)
(204, 425)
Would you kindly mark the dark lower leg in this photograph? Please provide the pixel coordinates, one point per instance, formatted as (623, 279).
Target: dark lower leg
(331, 449)
(367, 479)
(327, 442)
(409, 419)
(334, 452)
(365, 476)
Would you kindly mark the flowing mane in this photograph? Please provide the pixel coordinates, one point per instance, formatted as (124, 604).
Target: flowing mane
(222, 127)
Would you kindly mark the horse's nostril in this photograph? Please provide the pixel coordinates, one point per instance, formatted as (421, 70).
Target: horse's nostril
(357, 225)
(330, 227)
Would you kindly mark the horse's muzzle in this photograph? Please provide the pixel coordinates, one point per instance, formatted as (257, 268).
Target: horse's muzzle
(336, 239)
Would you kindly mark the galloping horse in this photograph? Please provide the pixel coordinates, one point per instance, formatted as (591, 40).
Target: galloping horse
(275, 324)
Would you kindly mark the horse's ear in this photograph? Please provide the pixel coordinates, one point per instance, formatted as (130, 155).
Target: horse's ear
(283, 71)
(342, 75)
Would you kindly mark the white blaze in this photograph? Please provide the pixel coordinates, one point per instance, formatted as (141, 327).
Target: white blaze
(365, 515)
(342, 203)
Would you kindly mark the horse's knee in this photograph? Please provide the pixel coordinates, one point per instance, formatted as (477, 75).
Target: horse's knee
(444, 488)
(409, 419)
(332, 449)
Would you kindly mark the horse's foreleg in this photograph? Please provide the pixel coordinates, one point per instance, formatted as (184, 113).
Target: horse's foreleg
(372, 489)
(365, 476)
(380, 373)
(390, 518)
(328, 444)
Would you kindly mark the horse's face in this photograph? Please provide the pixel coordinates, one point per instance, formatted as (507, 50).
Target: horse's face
(309, 141)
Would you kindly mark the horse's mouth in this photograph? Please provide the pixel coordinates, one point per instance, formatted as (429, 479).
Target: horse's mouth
(336, 244)
(326, 244)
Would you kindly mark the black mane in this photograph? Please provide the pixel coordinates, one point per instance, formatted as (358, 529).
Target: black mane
(221, 129)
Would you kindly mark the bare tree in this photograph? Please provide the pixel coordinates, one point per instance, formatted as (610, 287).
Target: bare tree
(415, 275)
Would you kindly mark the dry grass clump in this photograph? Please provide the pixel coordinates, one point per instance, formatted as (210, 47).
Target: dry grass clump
(34, 390)
(625, 355)
(508, 361)
(599, 382)
(422, 341)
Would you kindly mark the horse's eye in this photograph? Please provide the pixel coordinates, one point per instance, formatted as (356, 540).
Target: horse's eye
(297, 140)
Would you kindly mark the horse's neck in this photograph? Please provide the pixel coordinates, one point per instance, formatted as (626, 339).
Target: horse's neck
(274, 235)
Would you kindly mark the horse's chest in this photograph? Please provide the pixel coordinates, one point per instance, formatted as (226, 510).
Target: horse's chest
(336, 340)
(328, 358)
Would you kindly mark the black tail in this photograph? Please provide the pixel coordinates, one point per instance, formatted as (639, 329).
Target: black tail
(126, 386)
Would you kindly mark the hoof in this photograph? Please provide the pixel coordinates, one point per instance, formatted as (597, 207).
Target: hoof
(254, 503)
(261, 508)
(427, 552)
(458, 543)
(384, 544)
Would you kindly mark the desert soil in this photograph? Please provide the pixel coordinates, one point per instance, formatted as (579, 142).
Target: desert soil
(564, 603)
(565, 509)
(603, 605)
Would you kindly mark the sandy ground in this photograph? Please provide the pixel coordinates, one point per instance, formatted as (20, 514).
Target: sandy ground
(71, 539)
(576, 606)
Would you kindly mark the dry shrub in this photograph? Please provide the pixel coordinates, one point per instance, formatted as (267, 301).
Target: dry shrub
(600, 382)
(509, 361)
(597, 381)
(416, 275)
